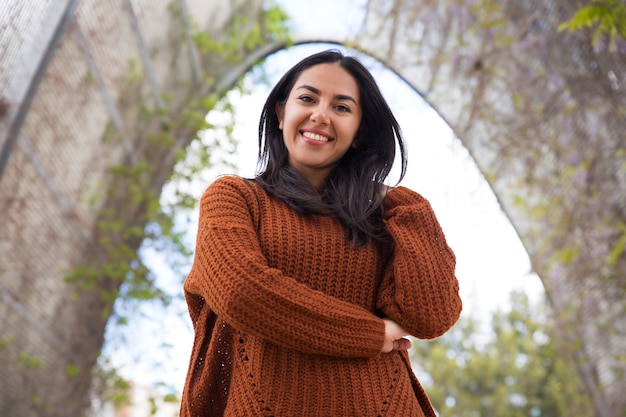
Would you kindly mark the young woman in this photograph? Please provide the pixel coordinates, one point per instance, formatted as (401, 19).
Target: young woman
(307, 279)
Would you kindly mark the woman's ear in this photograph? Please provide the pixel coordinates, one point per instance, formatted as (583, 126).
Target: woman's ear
(280, 110)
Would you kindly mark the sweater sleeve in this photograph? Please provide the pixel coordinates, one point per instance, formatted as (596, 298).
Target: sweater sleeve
(419, 289)
(231, 275)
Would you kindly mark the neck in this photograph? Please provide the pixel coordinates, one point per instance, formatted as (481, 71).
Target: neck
(316, 179)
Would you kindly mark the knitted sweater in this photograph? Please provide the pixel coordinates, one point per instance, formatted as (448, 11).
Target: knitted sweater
(287, 313)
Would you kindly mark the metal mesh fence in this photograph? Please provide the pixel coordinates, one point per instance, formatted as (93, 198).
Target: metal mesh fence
(20, 21)
(98, 97)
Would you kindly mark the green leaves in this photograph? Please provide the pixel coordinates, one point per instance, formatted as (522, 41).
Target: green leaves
(607, 16)
(620, 247)
(511, 368)
(27, 361)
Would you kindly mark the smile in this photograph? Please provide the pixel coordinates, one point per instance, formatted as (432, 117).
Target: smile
(316, 137)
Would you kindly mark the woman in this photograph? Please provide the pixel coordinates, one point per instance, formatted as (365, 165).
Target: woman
(307, 279)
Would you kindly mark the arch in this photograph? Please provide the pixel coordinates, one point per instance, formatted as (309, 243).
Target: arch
(519, 95)
(476, 298)
(504, 79)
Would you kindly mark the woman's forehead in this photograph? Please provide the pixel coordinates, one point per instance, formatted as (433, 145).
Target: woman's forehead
(328, 78)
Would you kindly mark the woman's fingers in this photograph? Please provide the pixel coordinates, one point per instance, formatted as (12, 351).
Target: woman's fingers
(402, 344)
(395, 337)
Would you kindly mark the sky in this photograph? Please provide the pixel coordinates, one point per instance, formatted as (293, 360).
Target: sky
(491, 261)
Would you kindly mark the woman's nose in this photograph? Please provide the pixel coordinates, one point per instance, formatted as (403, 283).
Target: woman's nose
(320, 116)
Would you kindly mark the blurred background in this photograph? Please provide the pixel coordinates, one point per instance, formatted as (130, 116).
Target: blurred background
(115, 116)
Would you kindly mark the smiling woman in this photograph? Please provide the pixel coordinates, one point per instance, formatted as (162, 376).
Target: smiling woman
(491, 261)
(308, 278)
(319, 124)
(319, 120)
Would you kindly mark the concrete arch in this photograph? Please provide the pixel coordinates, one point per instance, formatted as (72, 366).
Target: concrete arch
(517, 148)
(518, 94)
(505, 80)
(99, 85)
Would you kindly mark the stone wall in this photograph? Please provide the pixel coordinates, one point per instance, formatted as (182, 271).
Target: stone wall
(93, 81)
(87, 85)
(542, 113)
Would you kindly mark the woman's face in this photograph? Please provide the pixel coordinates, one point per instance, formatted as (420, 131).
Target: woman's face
(319, 120)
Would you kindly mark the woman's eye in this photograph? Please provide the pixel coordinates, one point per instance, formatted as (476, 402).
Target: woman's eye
(343, 108)
(306, 99)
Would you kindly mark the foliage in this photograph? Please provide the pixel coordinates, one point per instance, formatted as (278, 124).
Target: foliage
(28, 361)
(156, 225)
(274, 26)
(518, 370)
(608, 17)
(203, 153)
(110, 387)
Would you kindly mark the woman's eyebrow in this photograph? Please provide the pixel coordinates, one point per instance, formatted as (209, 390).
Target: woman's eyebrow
(318, 92)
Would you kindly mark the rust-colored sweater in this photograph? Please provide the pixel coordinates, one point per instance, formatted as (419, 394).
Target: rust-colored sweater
(287, 313)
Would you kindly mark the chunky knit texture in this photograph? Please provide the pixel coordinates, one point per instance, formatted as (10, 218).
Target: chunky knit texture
(287, 313)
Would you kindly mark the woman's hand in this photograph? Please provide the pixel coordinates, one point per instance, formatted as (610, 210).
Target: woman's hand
(395, 337)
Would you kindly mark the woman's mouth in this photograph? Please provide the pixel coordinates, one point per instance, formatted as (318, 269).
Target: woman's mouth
(316, 137)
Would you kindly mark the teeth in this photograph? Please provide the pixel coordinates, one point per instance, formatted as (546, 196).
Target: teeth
(315, 136)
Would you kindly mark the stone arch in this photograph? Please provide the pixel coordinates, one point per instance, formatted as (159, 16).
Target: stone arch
(540, 115)
(93, 97)
(566, 200)
(505, 104)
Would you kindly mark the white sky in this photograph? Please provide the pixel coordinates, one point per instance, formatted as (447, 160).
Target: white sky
(491, 261)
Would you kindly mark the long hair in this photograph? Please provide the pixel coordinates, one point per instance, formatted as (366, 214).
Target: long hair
(353, 191)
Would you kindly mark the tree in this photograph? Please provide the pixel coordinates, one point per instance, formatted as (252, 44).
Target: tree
(516, 370)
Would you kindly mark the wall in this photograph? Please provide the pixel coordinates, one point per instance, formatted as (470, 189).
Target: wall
(542, 113)
(86, 86)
